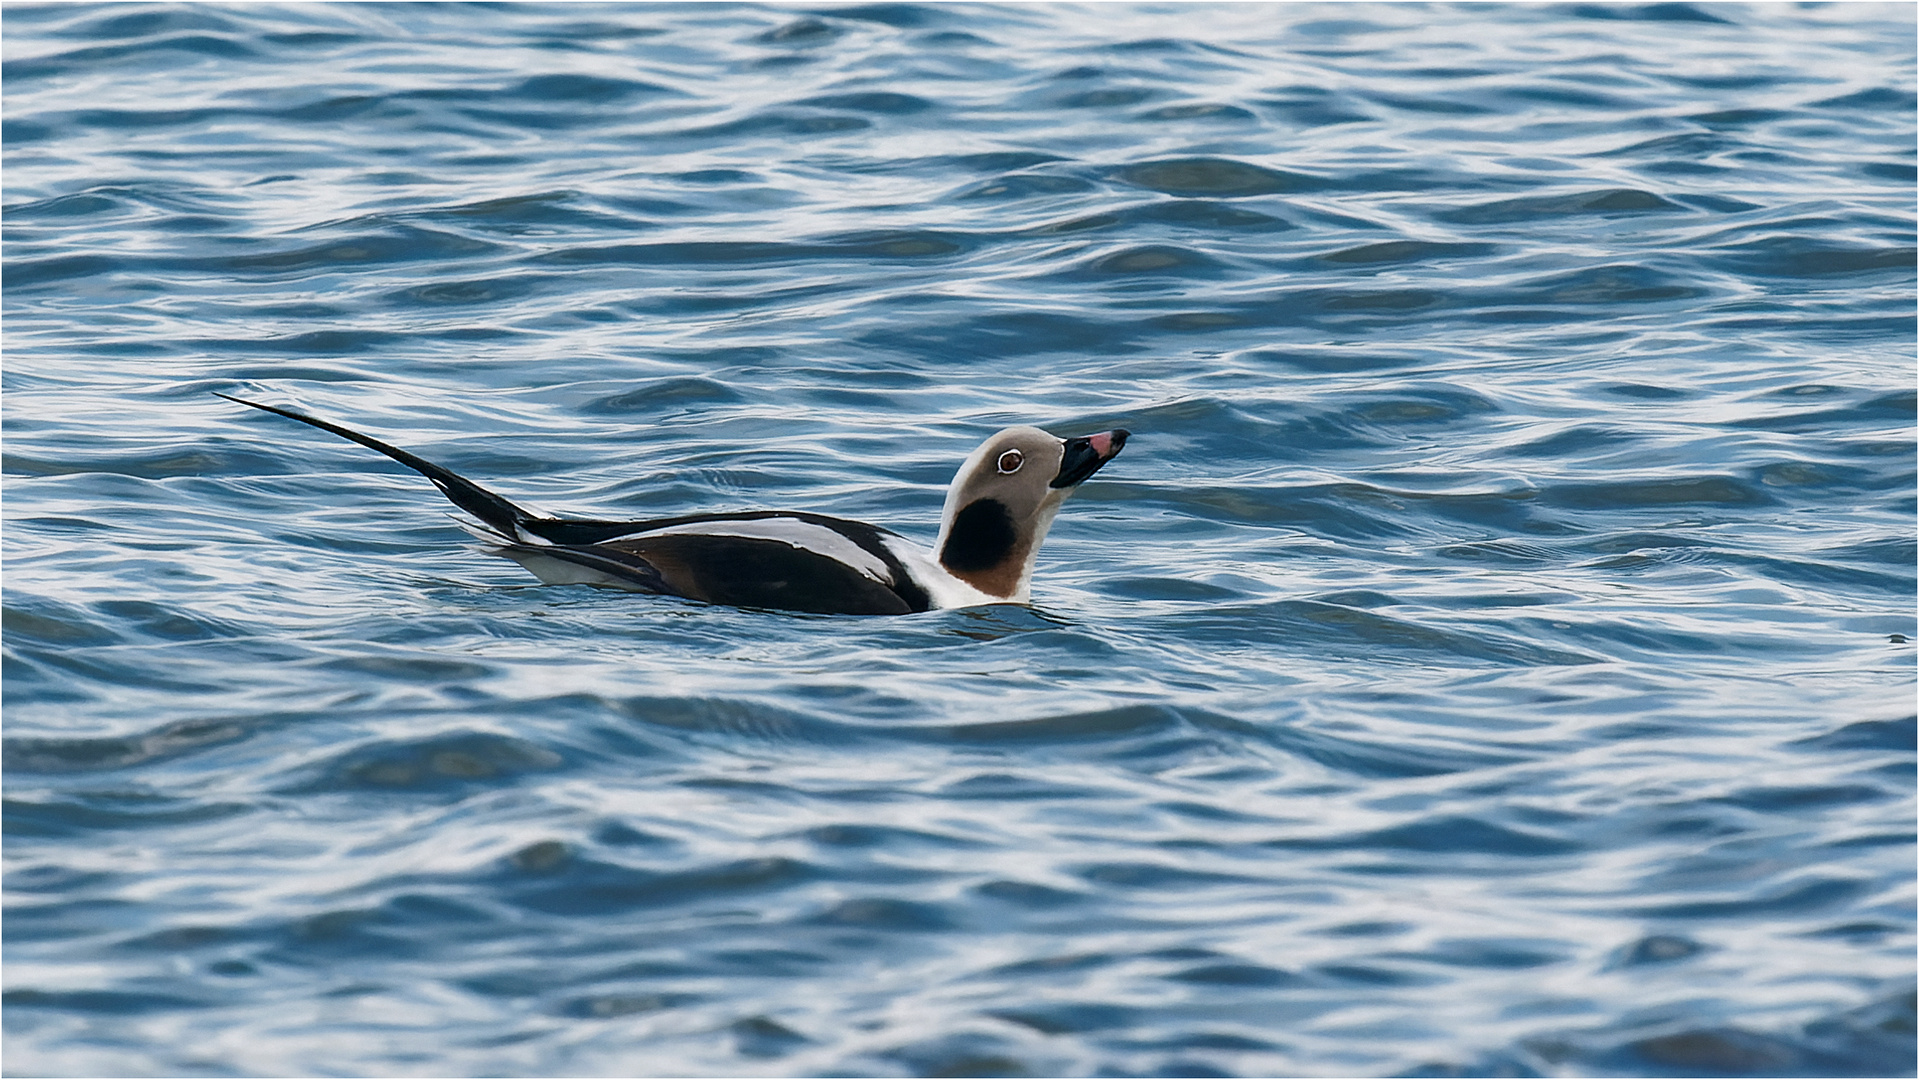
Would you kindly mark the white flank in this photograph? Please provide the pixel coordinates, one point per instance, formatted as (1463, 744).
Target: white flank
(556, 571)
(803, 535)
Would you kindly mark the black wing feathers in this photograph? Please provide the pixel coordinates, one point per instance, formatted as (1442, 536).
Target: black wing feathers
(744, 571)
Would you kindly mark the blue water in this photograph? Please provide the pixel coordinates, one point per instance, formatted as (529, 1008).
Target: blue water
(1492, 654)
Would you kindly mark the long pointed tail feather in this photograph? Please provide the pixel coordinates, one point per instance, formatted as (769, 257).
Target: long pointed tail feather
(499, 514)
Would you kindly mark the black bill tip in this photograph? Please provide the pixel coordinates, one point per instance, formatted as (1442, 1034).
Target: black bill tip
(1086, 454)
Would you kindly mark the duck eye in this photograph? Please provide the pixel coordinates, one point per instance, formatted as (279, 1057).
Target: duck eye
(1010, 461)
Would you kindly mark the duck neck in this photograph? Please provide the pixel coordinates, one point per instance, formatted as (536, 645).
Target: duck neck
(983, 546)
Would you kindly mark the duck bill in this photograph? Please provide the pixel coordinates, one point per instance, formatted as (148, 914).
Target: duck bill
(1086, 454)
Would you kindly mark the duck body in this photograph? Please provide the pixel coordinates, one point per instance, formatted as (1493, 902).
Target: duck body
(768, 559)
(997, 512)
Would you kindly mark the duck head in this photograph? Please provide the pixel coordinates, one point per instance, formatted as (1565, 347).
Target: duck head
(1003, 501)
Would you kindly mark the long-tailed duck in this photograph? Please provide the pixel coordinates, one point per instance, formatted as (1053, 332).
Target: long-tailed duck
(997, 512)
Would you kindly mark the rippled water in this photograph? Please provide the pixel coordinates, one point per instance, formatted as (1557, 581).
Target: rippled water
(1491, 655)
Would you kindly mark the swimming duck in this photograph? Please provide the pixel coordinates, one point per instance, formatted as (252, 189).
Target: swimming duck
(998, 510)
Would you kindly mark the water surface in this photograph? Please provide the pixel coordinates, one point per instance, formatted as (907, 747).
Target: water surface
(1492, 654)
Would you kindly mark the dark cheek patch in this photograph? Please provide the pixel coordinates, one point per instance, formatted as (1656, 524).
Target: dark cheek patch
(982, 537)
